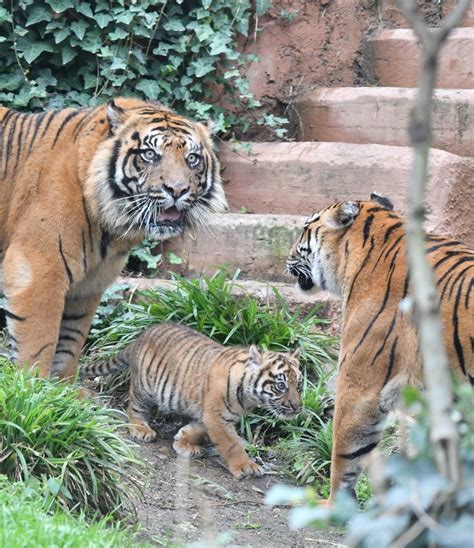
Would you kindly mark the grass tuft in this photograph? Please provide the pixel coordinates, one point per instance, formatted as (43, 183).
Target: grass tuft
(25, 522)
(71, 445)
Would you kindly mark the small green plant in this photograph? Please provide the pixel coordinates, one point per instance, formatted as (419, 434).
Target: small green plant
(26, 521)
(72, 445)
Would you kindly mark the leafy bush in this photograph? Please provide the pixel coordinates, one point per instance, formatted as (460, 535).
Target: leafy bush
(71, 445)
(59, 53)
(25, 522)
(418, 507)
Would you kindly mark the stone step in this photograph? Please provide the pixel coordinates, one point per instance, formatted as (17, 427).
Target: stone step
(468, 19)
(396, 59)
(381, 115)
(300, 178)
(392, 15)
(328, 304)
(257, 245)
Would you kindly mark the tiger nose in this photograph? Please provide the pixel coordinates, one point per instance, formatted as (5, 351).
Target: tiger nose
(176, 188)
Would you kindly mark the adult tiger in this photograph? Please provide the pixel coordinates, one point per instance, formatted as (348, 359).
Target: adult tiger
(357, 250)
(80, 188)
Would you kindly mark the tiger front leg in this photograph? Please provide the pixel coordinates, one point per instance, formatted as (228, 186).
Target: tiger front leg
(75, 324)
(139, 415)
(224, 436)
(34, 303)
(358, 426)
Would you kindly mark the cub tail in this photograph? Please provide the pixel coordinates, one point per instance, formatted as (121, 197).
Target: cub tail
(98, 369)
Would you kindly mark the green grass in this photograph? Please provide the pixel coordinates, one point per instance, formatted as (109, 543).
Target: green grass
(73, 446)
(25, 522)
(209, 306)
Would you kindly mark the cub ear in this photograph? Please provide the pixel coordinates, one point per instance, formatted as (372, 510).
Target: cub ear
(296, 353)
(255, 356)
(381, 200)
(342, 215)
(116, 116)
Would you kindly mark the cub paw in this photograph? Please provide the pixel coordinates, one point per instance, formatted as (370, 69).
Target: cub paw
(184, 447)
(142, 432)
(248, 468)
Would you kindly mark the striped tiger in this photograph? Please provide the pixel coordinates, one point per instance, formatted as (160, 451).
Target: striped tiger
(357, 250)
(179, 370)
(80, 188)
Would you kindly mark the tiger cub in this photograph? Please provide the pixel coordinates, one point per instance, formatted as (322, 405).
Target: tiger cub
(182, 371)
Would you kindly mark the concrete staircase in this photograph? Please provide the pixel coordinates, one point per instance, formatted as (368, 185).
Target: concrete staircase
(352, 141)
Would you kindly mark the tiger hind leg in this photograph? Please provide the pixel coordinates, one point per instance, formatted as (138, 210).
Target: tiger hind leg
(357, 431)
(187, 441)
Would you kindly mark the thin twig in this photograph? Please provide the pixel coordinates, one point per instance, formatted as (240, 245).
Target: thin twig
(443, 431)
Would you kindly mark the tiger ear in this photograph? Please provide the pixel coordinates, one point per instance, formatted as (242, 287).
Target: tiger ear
(116, 116)
(382, 200)
(296, 353)
(255, 356)
(343, 215)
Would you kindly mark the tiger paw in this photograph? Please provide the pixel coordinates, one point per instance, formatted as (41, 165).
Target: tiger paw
(142, 432)
(247, 468)
(186, 449)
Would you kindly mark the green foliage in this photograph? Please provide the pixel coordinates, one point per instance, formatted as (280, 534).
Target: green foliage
(210, 306)
(24, 522)
(71, 446)
(419, 508)
(58, 53)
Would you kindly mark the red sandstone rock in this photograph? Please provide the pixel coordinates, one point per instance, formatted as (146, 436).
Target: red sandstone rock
(300, 178)
(396, 59)
(381, 115)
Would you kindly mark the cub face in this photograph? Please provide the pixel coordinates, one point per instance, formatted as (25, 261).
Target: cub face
(279, 383)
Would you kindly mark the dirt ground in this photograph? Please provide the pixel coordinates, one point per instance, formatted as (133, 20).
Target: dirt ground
(198, 501)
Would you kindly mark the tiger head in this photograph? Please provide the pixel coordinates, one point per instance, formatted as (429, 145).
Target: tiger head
(318, 257)
(278, 381)
(154, 173)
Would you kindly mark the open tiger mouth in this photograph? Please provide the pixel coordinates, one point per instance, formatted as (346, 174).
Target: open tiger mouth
(305, 282)
(169, 216)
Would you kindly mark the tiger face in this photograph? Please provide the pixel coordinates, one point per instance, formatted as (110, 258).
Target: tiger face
(156, 173)
(278, 382)
(315, 258)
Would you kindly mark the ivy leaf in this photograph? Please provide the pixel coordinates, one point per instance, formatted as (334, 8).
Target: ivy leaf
(203, 32)
(202, 67)
(174, 25)
(5, 16)
(118, 34)
(118, 64)
(102, 19)
(59, 6)
(61, 35)
(37, 14)
(67, 54)
(150, 88)
(85, 9)
(11, 82)
(33, 50)
(79, 28)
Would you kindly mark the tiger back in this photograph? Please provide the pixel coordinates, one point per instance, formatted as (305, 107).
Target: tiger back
(80, 188)
(357, 250)
(182, 371)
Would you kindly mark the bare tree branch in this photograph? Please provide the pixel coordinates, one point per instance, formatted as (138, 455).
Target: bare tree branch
(443, 431)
